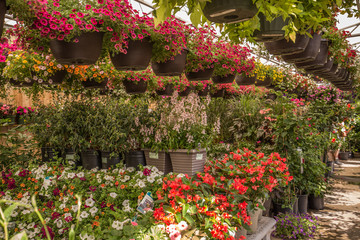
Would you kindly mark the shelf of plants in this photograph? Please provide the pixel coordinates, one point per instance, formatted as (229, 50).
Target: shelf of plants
(158, 129)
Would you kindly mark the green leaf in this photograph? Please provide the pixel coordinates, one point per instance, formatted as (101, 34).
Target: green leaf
(273, 10)
(169, 209)
(9, 211)
(189, 219)
(178, 217)
(20, 236)
(339, 3)
(185, 209)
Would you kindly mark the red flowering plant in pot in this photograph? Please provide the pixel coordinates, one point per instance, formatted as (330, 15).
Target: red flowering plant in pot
(200, 61)
(162, 85)
(169, 47)
(230, 60)
(72, 26)
(135, 82)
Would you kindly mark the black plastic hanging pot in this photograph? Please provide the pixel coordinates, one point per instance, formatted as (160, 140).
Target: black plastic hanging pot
(85, 51)
(264, 83)
(132, 87)
(309, 54)
(320, 59)
(137, 58)
(135, 158)
(229, 11)
(218, 93)
(17, 83)
(173, 67)
(90, 159)
(2, 15)
(303, 203)
(168, 91)
(200, 75)
(58, 77)
(92, 83)
(221, 80)
(204, 92)
(185, 92)
(270, 31)
(109, 159)
(244, 80)
(284, 47)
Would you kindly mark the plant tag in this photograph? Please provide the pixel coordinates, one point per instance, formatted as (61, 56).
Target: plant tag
(69, 156)
(153, 155)
(104, 159)
(199, 156)
(146, 204)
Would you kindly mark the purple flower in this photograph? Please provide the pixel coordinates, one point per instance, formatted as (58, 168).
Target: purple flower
(92, 188)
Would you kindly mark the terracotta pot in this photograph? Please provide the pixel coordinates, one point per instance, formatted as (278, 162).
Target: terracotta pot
(90, 159)
(284, 47)
(2, 15)
(171, 67)
(135, 88)
(320, 59)
(226, 79)
(244, 80)
(309, 54)
(84, 52)
(137, 58)
(229, 11)
(91, 83)
(168, 91)
(217, 94)
(270, 31)
(267, 82)
(161, 160)
(188, 162)
(200, 75)
(240, 232)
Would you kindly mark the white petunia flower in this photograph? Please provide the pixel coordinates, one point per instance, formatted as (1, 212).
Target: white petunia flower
(89, 202)
(59, 223)
(113, 195)
(141, 184)
(80, 174)
(71, 175)
(74, 208)
(93, 211)
(84, 214)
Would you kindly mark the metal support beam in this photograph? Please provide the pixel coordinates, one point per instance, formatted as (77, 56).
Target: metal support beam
(353, 25)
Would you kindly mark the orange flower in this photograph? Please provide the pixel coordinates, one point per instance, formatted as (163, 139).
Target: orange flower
(108, 204)
(102, 185)
(66, 209)
(19, 195)
(36, 187)
(97, 217)
(116, 183)
(22, 185)
(122, 186)
(72, 187)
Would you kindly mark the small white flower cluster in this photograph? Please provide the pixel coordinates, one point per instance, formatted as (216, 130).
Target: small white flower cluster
(174, 230)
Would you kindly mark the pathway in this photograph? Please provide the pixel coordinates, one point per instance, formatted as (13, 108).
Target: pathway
(340, 219)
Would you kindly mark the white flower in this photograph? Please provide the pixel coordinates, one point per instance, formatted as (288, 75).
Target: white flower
(15, 213)
(99, 180)
(31, 225)
(93, 211)
(126, 202)
(182, 225)
(31, 235)
(71, 175)
(74, 208)
(89, 202)
(127, 209)
(84, 214)
(116, 225)
(80, 174)
(62, 206)
(67, 215)
(113, 195)
(131, 169)
(25, 212)
(59, 223)
(141, 184)
(150, 179)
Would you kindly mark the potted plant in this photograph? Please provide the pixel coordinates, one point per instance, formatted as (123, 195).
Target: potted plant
(218, 90)
(163, 86)
(230, 60)
(203, 87)
(183, 86)
(320, 59)
(22, 113)
(170, 48)
(270, 29)
(130, 45)
(263, 74)
(135, 82)
(7, 112)
(199, 60)
(295, 226)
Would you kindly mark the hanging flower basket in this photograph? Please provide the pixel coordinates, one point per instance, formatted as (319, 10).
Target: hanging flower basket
(168, 91)
(2, 15)
(219, 79)
(244, 80)
(325, 69)
(56, 79)
(320, 59)
(285, 47)
(92, 83)
(185, 92)
(309, 54)
(84, 52)
(229, 11)
(218, 93)
(270, 31)
(137, 58)
(200, 75)
(173, 67)
(133, 87)
(265, 83)
(204, 92)
(17, 83)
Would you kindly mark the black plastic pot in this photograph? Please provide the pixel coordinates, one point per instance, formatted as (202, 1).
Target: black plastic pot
(270, 31)
(279, 209)
(71, 156)
(316, 203)
(58, 77)
(135, 158)
(137, 58)
(84, 52)
(90, 159)
(330, 165)
(343, 155)
(168, 91)
(325, 69)
(219, 93)
(303, 203)
(271, 96)
(204, 92)
(229, 11)
(185, 92)
(49, 154)
(243, 80)
(265, 83)
(309, 54)
(109, 159)
(171, 67)
(17, 83)
(320, 59)
(91, 83)
(200, 75)
(284, 47)
(2, 15)
(220, 79)
(135, 88)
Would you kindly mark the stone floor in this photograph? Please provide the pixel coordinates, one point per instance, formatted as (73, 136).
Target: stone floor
(340, 218)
